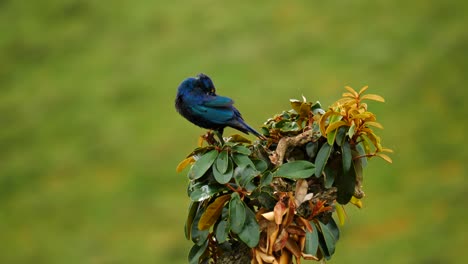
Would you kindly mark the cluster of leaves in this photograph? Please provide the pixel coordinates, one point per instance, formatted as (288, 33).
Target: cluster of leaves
(281, 204)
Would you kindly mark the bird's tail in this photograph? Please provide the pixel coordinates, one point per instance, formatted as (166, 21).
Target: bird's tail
(242, 126)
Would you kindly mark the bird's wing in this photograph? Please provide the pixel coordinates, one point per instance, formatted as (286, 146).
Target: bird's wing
(218, 102)
(218, 109)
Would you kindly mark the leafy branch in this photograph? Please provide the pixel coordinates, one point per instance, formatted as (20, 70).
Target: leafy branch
(276, 197)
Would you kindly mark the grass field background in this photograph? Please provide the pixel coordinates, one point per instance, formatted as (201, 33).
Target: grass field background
(89, 137)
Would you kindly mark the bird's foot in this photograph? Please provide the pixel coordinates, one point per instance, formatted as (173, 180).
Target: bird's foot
(209, 137)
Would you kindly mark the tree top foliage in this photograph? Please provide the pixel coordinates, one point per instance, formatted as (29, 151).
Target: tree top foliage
(272, 201)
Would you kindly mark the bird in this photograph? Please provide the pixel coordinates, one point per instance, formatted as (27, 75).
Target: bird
(198, 102)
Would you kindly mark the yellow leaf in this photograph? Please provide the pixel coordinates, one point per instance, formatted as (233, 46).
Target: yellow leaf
(374, 124)
(238, 139)
(295, 104)
(341, 213)
(387, 150)
(357, 202)
(334, 126)
(385, 157)
(352, 91)
(348, 95)
(324, 118)
(363, 89)
(200, 141)
(365, 115)
(344, 101)
(183, 164)
(374, 97)
(213, 211)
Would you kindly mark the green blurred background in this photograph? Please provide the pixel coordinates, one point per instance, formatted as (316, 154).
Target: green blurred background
(89, 137)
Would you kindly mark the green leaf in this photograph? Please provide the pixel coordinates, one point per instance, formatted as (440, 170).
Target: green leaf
(241, 149)
(236, 213)
(346, 180)
(222, 231)
(330, 175)
(202, 164)
(201, 191)
(266, 198)
(225, 177)
(341, 135)
(297, 169)
(196, 252)
(322, 158)
(328, 236)
(190, 217)
(250, 233)
(331, 234)
(352, 129)
(362, 152)
(265, 131)
(331, 137)
(266, 179)
(347, 156)
(311, 149)
(311, 241)
(222, 161)
(260, 165)
(199, 236)
(242, 160)
(244, 176)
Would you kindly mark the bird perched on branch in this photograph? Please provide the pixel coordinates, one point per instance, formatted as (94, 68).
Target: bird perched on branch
(197, 101)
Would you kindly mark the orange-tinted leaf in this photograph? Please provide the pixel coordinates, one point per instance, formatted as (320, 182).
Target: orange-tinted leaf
(264, 257)
(292, 246)
(374, 124)
(285, 257)
(385, 157)
(345, 100)
(348, 95)
(335, 126)
(363, 89)
(183, 164)
(301, 191)
(305, 223)
(200, 141)
(365, 116)
(351, 90)
(295, 230)
(212, 212)
(387, 150)
(309, 257)
(373, 97)
(272, 234)
(270, 216)
(281, 240)
(280, 210)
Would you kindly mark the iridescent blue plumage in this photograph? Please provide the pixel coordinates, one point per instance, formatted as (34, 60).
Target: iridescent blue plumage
(197, 101)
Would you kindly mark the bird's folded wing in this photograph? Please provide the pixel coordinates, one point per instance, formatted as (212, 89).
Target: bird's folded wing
(215, 113)
(218, 101)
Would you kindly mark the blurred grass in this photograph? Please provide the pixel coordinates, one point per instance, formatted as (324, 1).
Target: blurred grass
(90, 139)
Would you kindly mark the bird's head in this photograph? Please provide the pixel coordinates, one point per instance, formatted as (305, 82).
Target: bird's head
(206, 84)
(201, 84)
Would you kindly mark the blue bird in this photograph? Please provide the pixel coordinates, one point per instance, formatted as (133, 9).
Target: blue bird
(197, 101)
